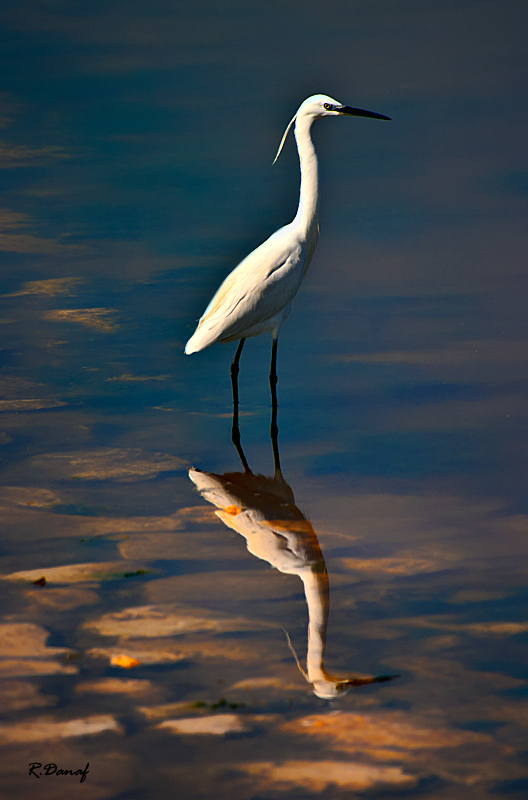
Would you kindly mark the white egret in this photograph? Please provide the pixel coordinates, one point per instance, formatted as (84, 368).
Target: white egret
(263, 510)
(256, 296)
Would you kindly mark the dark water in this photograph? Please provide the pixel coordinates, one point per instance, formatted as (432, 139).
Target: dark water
(136, 149)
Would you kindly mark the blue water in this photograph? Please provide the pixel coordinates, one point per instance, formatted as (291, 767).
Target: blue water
(136, 144)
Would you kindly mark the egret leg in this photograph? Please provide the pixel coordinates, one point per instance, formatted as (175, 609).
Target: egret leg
(274, 430)
(235, 430)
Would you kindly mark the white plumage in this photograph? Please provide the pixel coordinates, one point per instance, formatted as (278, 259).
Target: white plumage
(256, 296)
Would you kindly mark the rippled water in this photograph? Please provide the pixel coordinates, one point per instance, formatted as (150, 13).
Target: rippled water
(181, 632)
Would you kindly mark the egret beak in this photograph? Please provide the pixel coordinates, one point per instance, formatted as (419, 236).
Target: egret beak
(358, 112)
(365, 681)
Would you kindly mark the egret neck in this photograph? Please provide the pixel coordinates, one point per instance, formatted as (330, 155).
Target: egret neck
(315, 580)
(306, 217)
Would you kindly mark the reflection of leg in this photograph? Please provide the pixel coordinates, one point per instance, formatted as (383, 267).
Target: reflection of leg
(274, 430)
(235, 431)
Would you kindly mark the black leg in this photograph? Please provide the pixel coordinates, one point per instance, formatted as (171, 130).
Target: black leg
(235, 430)
(274, 430)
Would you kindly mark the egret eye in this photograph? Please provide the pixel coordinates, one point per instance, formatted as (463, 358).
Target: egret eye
(328, 107)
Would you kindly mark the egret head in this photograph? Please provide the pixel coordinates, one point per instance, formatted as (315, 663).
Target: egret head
(321, 105)
(328, 687)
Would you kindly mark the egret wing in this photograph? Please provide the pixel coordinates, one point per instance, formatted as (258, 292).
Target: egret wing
(257, 289)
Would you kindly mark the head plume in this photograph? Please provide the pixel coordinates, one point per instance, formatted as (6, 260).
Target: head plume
(284, 136)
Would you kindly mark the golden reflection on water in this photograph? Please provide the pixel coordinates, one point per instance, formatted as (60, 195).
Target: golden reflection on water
(262, 509)
(187, 610)
(154, 609)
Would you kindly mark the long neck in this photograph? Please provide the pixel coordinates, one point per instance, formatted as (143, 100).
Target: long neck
(316, 589)
(306, 217)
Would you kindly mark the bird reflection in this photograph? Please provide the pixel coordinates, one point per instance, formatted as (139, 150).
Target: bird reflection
(262, 509)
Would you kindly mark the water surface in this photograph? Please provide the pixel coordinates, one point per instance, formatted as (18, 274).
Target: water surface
(143, 633)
